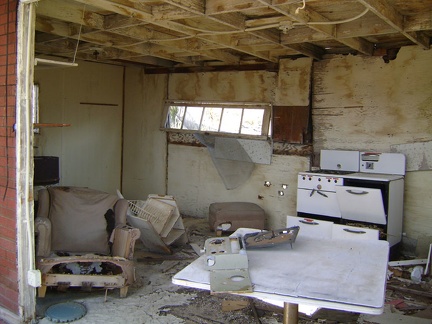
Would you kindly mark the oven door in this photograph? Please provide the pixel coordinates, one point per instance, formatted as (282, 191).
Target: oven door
(317, 202)
(361, 204)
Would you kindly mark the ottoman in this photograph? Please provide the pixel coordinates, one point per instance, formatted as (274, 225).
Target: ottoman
(229, 216)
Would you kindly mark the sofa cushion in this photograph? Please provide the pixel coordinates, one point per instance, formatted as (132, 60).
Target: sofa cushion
(78, 219)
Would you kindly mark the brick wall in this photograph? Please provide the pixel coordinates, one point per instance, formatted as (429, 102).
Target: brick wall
(8, 246)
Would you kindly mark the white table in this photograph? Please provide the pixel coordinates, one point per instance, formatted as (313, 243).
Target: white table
(348, 275)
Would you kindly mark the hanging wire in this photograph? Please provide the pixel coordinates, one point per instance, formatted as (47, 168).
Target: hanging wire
(301, 8)
(338, 21)
(79, 33)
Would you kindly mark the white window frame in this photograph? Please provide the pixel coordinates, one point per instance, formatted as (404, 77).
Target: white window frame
(266, 120)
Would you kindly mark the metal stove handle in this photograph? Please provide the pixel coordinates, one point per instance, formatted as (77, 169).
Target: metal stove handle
(354, 231)
(353, 192)
(322, 194)
(317, 191)
(311, 222)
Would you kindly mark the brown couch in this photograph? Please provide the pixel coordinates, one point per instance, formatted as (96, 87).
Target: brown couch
(83, 240)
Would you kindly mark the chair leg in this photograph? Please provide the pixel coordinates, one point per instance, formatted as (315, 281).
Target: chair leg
(123, 291)
(42, 291)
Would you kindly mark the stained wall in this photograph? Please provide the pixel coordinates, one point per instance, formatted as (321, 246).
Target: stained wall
(190, 175)
(365, 104)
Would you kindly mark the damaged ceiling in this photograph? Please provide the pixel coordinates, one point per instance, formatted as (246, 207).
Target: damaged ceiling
(199, 35)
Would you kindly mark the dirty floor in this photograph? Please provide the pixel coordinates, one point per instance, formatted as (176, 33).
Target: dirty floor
(154, 299)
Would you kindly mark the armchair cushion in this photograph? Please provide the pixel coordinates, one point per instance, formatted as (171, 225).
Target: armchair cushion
(78, 220)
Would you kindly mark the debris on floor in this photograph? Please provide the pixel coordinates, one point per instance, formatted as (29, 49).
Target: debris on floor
(154, 299)
(408, 297)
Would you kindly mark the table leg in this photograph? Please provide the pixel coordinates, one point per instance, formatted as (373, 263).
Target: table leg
(290, 313)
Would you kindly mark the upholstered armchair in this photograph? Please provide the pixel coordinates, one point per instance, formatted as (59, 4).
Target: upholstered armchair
(83, 240)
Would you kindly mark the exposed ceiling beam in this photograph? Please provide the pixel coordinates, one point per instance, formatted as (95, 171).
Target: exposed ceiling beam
(134, 10)
(308, 17)
(382, 9)
(227, 32)
(224, 6)
(137, 33)
(102, 39)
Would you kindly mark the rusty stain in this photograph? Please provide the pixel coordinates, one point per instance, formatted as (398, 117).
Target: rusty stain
(304, 81)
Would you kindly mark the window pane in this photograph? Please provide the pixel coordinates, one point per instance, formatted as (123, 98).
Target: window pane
(224, 117)
(211, 119)
(175, 117)
(252, 121)
(231, 119)
(193, 118)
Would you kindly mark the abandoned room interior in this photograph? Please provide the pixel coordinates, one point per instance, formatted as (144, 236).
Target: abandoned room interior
(286, 144)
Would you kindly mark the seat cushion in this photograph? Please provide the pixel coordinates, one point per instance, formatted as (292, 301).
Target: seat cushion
(238, 214)
(78, 219)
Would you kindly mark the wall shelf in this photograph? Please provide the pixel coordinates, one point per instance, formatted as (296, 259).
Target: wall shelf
(50, 125)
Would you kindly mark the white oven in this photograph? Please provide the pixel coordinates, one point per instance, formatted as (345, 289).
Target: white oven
(366, 196)
(316, 194)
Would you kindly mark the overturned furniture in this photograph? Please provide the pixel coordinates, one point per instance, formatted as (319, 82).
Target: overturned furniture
(159, 221)
(83, 240)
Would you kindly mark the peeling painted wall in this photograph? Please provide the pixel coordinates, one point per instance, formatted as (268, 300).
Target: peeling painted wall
(226, 86)
(293, 75)
(361, 103)
(365, 102)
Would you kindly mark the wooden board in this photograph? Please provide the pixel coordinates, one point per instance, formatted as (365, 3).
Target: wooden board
(291, 124)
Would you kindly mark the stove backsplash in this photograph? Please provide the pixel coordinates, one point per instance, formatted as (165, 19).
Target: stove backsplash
(338, 160)
(365, 162)
(387, 163)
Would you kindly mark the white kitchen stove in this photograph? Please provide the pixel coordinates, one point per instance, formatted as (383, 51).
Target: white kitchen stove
(356, 188)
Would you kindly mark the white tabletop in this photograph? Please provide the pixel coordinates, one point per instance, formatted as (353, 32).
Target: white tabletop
(339, 274)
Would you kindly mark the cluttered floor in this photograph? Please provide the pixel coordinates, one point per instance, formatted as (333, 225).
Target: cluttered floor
(154, 299)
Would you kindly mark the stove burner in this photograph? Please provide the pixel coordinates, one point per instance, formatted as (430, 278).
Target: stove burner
(331, 172)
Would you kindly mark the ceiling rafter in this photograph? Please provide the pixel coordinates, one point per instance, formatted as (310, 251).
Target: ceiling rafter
(146, 17)
(216, 33)
(237, 21)
(99, 39)
(136, 37)
(382, 9)
(306, 16)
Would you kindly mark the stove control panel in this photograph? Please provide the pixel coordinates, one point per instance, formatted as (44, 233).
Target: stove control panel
(318, 181)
